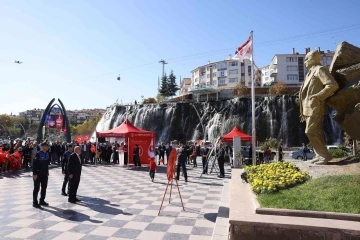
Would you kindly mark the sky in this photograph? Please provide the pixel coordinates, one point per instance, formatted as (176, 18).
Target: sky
(75, 50)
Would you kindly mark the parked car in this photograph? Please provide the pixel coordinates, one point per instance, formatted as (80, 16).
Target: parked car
(297, 154)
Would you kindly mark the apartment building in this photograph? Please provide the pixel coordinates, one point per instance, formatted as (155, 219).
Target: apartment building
(222, 74)
(33, 116)
(185, 85)
(75, 116)
(290, 68)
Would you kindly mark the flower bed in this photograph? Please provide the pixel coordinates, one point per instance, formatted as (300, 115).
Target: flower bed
(268, 178)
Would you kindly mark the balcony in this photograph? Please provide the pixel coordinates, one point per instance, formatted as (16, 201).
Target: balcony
(273, 64)
(274, 73)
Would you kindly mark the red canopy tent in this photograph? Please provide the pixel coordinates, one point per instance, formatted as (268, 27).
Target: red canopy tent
(236, 132)
(133, 135)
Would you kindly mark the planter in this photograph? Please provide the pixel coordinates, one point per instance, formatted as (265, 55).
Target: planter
(246, 222)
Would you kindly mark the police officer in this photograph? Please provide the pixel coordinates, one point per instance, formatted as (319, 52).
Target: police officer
(182, 155)
(40, 175)
(64, 167)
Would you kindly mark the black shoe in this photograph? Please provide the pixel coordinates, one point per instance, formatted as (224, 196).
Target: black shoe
(186, 180)
(64, 194)
(43, 203)
(72, 201)
(36, 205)
(77, 200)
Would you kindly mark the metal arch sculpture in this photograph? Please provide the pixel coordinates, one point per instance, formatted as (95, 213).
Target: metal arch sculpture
(42, 121)
(67, 123)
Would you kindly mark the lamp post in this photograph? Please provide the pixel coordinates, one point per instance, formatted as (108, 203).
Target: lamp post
(202, 125)
(22, 128)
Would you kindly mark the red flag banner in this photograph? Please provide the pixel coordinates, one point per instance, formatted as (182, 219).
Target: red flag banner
(171, 165)
(244, 51)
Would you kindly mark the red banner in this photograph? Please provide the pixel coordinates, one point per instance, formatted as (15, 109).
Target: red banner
(59, 121)
(146, 145)
(171, 164)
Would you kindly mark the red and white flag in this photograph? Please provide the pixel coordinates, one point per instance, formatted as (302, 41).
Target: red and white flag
(244, 51)
(151, 150)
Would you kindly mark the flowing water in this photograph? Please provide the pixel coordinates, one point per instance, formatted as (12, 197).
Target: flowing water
(276, 117)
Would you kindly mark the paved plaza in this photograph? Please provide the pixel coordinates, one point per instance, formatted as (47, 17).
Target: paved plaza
(118, 203)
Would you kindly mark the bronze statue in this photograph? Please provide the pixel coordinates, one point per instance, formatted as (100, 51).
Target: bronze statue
(345, 68)
(318, 90)
(318, 86)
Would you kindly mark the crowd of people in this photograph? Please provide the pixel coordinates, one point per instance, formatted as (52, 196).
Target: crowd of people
(71, 156)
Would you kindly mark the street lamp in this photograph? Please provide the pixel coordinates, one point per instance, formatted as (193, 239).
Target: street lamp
(22, 128)
(202, 125)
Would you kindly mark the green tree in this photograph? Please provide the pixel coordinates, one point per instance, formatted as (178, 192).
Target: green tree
(271, 143)
(164, 88)
(172, 85)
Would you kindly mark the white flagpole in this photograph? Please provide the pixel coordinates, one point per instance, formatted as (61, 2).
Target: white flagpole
(253, 101)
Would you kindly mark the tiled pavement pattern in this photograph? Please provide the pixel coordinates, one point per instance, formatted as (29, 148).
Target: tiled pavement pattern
(118, 203)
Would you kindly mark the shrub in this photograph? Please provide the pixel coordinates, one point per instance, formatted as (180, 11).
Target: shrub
(278, 88)
(149, 100)
(269, 178)
(272, 143)
(338, 153)
(241, 89)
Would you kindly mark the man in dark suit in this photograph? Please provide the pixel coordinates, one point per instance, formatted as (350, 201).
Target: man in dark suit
(74, 170)
(64, 168)
(181, 161)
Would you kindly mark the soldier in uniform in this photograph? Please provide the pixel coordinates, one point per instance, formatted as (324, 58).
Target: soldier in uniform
(64, 167)
(40, 175)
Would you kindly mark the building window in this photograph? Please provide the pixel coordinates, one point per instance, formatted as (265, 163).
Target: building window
(242, 78)
(233, 80)
(291, 68)
(222, 81)
(233, 64)
(233, 72)
(242, 64)
(214, 74)
(222, 74)
(291, 59)
(208, 75)
(267, 73)
(292, 77)
(249, 70)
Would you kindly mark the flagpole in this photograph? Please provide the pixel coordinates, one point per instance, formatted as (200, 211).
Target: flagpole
(253, 102)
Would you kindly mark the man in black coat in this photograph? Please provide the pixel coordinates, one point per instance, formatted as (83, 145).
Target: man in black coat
(162, 150)
(41, 175)
(74, 171)
(137, 156)
(204, 153)
(221, 161)
(64, 168)
(182, 154)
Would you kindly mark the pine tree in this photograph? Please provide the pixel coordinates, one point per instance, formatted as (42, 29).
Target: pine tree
(164, 88)
(172, 85)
